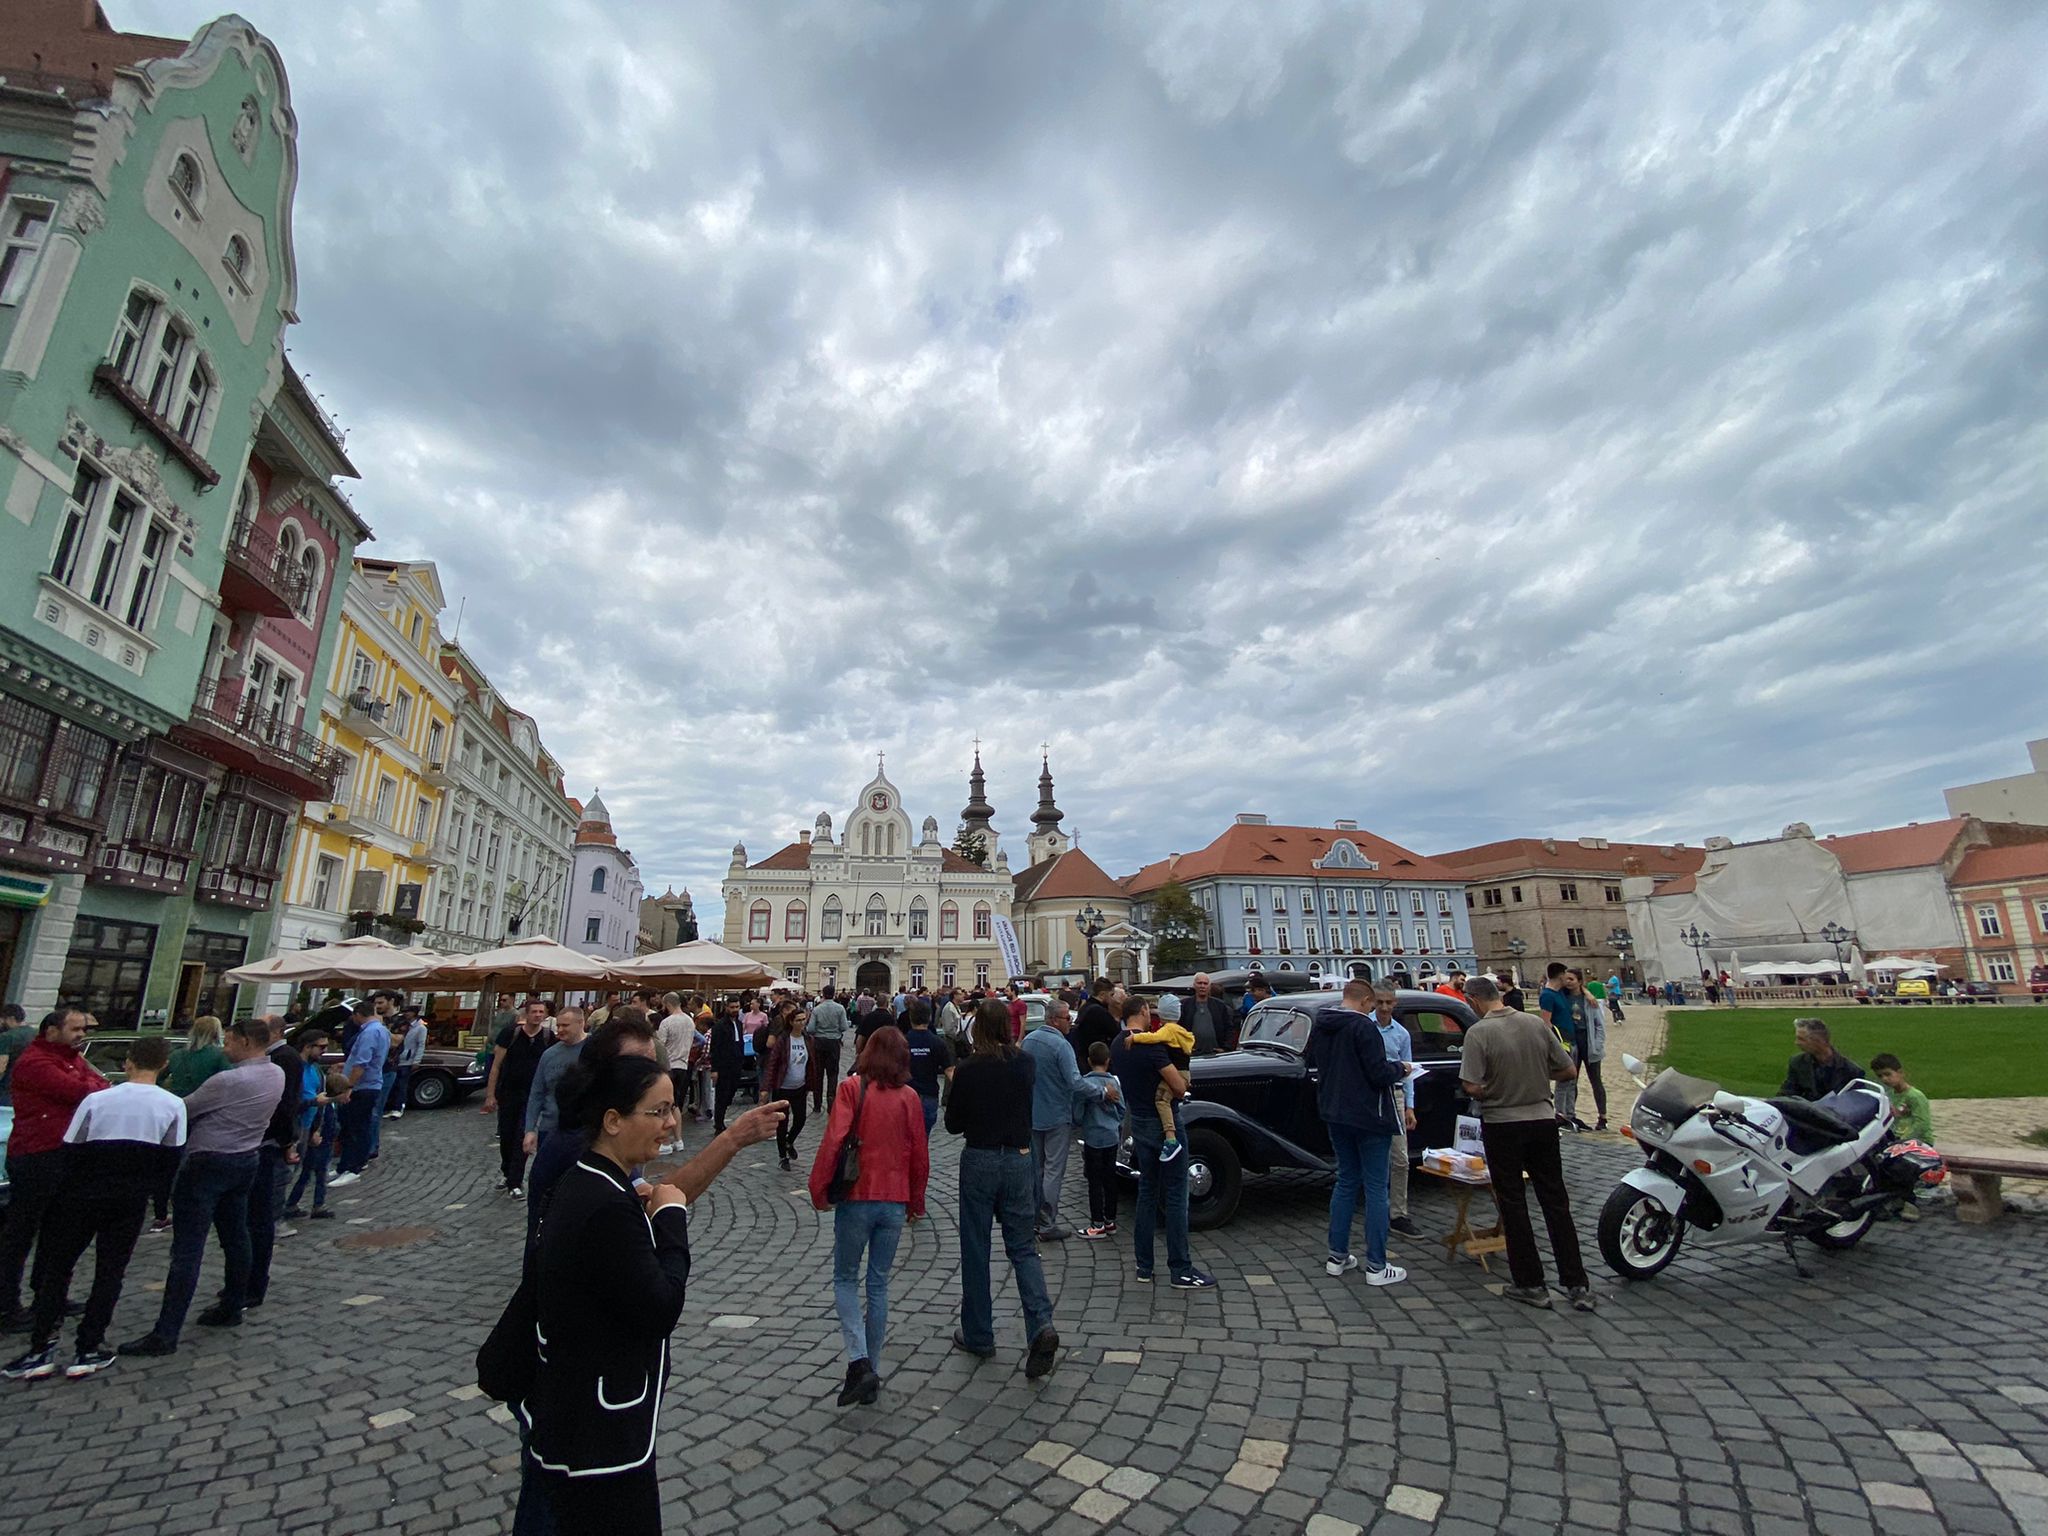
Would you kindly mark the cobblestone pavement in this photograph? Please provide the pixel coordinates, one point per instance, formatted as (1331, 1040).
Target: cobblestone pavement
(1905, 1389)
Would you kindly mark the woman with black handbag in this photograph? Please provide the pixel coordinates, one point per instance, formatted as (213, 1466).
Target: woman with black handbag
(870, 1172)
(609, 1276)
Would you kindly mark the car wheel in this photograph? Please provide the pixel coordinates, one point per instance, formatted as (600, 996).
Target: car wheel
(1215, 1180)
(429, 1090)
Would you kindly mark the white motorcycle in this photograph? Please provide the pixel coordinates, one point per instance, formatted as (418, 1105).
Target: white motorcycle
(1729, 1169)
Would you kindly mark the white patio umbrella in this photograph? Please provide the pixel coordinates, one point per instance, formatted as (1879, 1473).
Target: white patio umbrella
(1899, 963)
(364, 959)
(699, 963)
(529, 965)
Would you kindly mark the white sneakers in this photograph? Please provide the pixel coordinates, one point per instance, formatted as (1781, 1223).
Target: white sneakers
(1386, 1274)
(342, 1180)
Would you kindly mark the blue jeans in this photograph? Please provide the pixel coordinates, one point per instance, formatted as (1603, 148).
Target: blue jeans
(212, 1193)
(996, 1185)
(874, 1227)
(393, 1091)
(931, 1115)
(313, 1163)
(1161, 1187)
(1362, 1158)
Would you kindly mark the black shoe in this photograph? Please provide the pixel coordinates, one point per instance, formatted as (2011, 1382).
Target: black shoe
(981, 1352)
(148, 1344)
(870, 1385)
(1045, 1347)
(219, 1315)
(295, 1213)
(322, 1215)
(1405, 1226)
(856, 1377)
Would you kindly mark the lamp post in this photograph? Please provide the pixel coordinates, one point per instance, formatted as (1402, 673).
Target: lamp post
(1696, 939)
(1518, 947)
(1091, 921)
(1623, 941)
(1837, 938)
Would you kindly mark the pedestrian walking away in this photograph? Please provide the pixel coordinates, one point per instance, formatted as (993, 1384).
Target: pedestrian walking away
(879, 1112)
(1511, 1059)
(931, 1061)
(677, 1034)
(828, 1028)
(1162, 1183)
(49, 1082)
(1358, 1091)
(227, 1118)
(990, 1109)
(117, 1147)
(1055, 1081)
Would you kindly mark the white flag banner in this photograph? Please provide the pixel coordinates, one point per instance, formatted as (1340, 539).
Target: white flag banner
(1013, 953)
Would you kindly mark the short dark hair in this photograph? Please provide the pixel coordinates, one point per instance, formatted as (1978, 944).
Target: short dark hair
(1885, 1061)
(152, 1053)
(255, 1029)
(612, 1086)
(1100, 985)
(1554, 970)
(1260, 981)
(1133, 1006)
(623, 1025)
(54, 1019)
(360, 1008)
(12, 1013)
(920, 1012)
(1098, 1054)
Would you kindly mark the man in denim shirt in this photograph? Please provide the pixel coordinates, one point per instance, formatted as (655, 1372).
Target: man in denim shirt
(365, 1071)
(1400, 1047)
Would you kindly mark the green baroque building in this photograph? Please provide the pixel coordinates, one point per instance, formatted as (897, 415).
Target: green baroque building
(172, 543)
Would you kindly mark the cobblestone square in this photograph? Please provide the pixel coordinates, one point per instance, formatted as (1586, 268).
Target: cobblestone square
(1904, 1389)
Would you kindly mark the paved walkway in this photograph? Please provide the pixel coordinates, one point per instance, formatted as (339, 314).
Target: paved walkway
(1905, 1389)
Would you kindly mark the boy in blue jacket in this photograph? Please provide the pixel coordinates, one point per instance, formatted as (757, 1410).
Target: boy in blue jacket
(1099, 1111)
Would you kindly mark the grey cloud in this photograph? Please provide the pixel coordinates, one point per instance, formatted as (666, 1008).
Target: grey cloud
(1474, 419)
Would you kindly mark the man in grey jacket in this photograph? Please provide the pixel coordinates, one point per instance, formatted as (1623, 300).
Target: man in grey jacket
(1055, 1081)
(827, 1030)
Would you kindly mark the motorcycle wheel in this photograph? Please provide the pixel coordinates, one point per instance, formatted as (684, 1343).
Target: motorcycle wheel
(1847, 1234)
(1638, 1237)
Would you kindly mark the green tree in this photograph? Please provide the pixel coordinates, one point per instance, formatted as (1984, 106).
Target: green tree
(1178, 928)
(971, 848)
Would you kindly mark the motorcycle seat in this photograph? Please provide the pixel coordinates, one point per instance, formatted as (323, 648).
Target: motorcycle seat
(1812, 1125)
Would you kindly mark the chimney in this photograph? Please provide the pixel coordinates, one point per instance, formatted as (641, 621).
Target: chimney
(1550, 845)
(1347, 826)
(1251, 819)
(804, 838)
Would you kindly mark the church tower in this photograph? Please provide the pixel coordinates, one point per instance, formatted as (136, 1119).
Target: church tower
(977, 817)
(1047, 841)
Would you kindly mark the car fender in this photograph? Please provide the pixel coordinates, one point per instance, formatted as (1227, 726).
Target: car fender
(1660, 1187)
(1259, 1147)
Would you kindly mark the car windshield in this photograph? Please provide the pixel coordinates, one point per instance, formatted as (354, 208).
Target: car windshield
(1277, 1026)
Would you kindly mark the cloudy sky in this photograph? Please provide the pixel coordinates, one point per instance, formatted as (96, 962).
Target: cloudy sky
(1475, 420)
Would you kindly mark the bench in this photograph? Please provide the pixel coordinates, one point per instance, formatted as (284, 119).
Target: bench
(1979, 1175)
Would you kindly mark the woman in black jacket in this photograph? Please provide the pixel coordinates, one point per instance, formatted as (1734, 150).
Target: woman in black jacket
(609, 1275)
(990, 1106)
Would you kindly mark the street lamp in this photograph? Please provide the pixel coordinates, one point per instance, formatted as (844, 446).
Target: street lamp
(1837, 938)
(1696, 938)
(1623, 941)
(1091, 920)
(1518, 947)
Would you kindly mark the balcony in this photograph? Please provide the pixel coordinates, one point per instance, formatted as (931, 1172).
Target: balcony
(369, 718)
(350, 822)
(429, 855)
(438, 774)
(108, 378)
(227, 887)
(141, 866)
(258, 577)
(241, 735)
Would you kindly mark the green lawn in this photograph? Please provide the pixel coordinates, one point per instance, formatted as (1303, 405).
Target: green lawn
(1949, 1053)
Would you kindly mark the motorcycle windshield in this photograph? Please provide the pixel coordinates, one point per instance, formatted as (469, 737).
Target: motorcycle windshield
(1677, 1097)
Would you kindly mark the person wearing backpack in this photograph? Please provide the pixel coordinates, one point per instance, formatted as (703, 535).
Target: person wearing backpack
(870, 1172)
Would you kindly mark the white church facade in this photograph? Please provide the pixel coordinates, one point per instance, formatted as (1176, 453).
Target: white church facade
(879, 907)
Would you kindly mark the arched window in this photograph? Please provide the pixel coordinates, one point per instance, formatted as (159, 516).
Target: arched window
(757, 923)
(187, 181)
(878, 917)
(865, 850)
(981, 920)
(245, 505)
(920, 919)
(829, 930)
(793, 920)
(288, 545)
(949, 921)
(236, 258)
(892, 839)
(309, 562)
(597, 884)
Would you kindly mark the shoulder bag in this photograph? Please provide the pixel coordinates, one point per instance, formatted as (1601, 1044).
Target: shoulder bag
(509, 1360)
(847, 1172)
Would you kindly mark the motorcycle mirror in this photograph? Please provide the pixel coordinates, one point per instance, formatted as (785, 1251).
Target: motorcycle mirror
(1635, 1069)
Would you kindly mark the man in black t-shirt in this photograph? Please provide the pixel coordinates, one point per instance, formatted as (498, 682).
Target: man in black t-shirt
(515, 1057)
(1162, 1186)
(1094, 1022)
(931, 1060)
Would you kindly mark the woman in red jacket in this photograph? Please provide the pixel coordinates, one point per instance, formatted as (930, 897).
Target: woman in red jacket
(877, 1106)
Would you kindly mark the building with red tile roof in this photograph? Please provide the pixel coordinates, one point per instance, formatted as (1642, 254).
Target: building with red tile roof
(2001, 901)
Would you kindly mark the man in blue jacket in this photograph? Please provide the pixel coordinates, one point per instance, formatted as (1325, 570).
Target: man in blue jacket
(1355, 1089)
(1052, 1113)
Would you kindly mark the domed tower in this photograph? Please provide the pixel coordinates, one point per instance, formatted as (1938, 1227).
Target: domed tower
(1047, 841)
(977, 817)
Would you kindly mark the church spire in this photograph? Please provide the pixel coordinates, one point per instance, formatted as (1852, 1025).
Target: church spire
(1048, 816)
(978, 814)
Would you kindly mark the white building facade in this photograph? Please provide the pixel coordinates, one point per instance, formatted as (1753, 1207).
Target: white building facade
(602, 913)
(881, 908)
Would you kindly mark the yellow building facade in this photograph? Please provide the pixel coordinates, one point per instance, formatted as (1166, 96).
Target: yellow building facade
(367, 861)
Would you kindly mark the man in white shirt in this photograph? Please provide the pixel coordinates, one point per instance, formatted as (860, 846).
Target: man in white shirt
(122, 1142)
(674, 1034)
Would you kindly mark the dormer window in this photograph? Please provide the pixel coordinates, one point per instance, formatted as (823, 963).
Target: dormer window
(188, 182)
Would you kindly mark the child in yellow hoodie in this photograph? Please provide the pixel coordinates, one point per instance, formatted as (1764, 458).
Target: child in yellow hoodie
(1181, 1043)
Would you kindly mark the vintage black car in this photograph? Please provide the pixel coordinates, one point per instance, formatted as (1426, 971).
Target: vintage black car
(1253, 1110)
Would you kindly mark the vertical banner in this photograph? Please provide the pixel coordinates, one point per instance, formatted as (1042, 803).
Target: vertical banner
(1013, 955)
